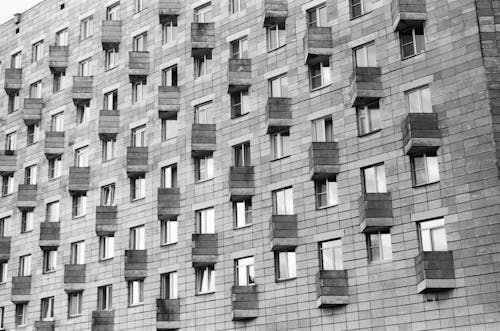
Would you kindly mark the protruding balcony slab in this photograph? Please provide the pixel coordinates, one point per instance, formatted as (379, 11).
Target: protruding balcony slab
(50, 233)
(4, 249)
(21, 289)
(135, 264)
(58, 58)
(375, 212)
(79, 180)
(421, 133)
(169, 203)
(138, 66)
(109, 124)
(83, 89)
(284, 233)
(202, 38)
(137, 161)
(203, 139)
(245, 302)
(32, 111)
(45, 325)
(407, 13)
(111, 34)
(278, 114)
(435, 271)
(366, 86)
(103, 320)
(204, 251)
(13, 80)
(169, 101)
(275, 12)
(241, 183)
(318, 44)
(168, 314)
(332, 287)
(74, 277)
(239, 74)
(26, 196)
(323, 160)
(168, 8)
(106, 220)
(8, 162)
(54, 144)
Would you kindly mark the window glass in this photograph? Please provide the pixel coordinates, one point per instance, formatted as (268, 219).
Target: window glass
(283, 202)
(245, 272)
(433, 235)
(286, 265)
(331, 255)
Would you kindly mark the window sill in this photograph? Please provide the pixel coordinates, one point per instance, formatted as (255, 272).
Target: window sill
(360, 16)
(168, 45)
(368, 133)
(319, 88)
(106, 259)
(282, 280)
(110, 69)
(280, 158)
(169, 140)
(416, 186)
(137, 199)
(136, 305)
(202, 79)
(243, 227)
(275, 49)
(233, 117)
(166, 245)
(27, 231)
(53, 179)
(6, 195)
(203, 180)
(48, 272)
(75, 316)
(326, 207)
(415, 56)
(379, 262)
(204, 293)
(78, 216)
(86, 38)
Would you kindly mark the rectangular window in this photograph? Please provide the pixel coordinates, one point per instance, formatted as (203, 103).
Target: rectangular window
(235, 6)
(4, 226)
(283, 201)
(242, 213)
(52, 214)
(113, 12)
(86, 28)
(374, 179)
(137, 237)
(323, 129)
(317, 16)
(379, 246)
(16, 61)
(168, 286)
(27, 220)
(139, 136)
(242, 155)
(57, 122)
(82, 111)
(168, 128)
(169, 176)
(205, 220)
(138, 187)
(319, 74)
(108, 195)
(2, 313)
(360, 7)
(21, 312)
(204, 113)
(108, 149)
(75, 304)
(81, 157)
(78, 253)
(37, 51)
(55, 166)
(13, 104)
(412, 41)
(110, 58)
(168, 232)
(84, 68)
(62, 37)
(111, 100)
(36, 90)
(169, 32)
(3, 273)
(276, 36)
(139, 43)
(204, 168)
(47, 309)
(286, 265)
(25, 266)
(30, 175)
(245, 271)
(138, 5)
(240, 103)
(280, 144)
(59, 81)
(205, 280)
(106, 247)
(11, 141)
(419, 100)
(49, 260)
(203, 65)
(278, 86)
(326, 193)
(365, 55)
(433, 235)
(203, 14)
(105, 298)
(33, 133)
(138, 91)
(369, 118)
(239, 48)
(169, 76)
(425, 169)
(7, 184)
(331, 255)
(135, 292)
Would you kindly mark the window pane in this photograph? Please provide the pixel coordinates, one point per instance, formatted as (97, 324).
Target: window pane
(439, 239)
(426, 100)
(370, 180)
(386, 246)
(381, 186)
(432, 168)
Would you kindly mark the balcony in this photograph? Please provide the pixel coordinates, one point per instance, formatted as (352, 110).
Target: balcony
(169, 101)
(405, 13)
(366, 86)
(318, 44)
(21, 289)
(421, 133)
(58, 58)
(109, 124)
(50, 233)
(8, 162)
(45, 325)
(245, 302)
(74, 277)
(168, 314)
(137, 161)
(435, 271)
(284, 233)
(138, 65)
(241, 183)
(239, 74)
(332, 287)
(106, 220)
(203, 139)
(54, 144)
(168, 9)
(82, 89)
(202, 38)
(79, 180)
(204, 251)
(103, 320)
(26, 196)
(275, 12)
(13, 80)
(323, 160)
(4, 249)
(169, 204)
(32, 111)
(278, 114)
(111, 34)
(135, 264)
(375, 212)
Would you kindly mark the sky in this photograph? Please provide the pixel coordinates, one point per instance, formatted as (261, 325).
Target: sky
(9, 7)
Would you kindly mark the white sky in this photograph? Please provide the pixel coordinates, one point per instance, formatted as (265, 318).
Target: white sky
(9, 7)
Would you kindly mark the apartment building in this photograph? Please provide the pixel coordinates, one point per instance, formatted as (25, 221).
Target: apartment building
(259, 164)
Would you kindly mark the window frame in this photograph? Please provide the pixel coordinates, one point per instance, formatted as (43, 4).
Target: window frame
(429, 160)
(246, 270)
(131, 286)
(379, 246)
(75, 298)
(206, 171)
(331, 201)
(200, 280)
(169, 286)
(105, 298)
(381, 187)
(86, 27)
(138, 192)
(287, 199)
(290, 273)
(280, 145)
(413, 42)
(168, 232)
(336, 250)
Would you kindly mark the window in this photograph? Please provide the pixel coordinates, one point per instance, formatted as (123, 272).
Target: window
(7, 184)
(369, 118)
(49, 260)
(204, 113)
(82, 111)
(205, 220)
(285, 265)
(283, 202)
(323, 129)
(412, 41)
(319, 74)
(16, 61)
(169, 176)
(360, 7)
(203, 14)
(79, 205)
(108, 195)
(168, 128)
(205, 280)
(139, 43)
(379, 246)
(3, 275)
(113, 12)
(280, 144)
(235, 6)
(84, 68)
(36, 90)
(242, 155)
(111, 100)
(110, 58)
(239, 48)
(33, 133)
(86, 28)
(27, 220)
(203, 65)
(78, 253)
(13, 104)
(419, 100)
(57, 122)
(139, 136)
(37, 51)
(168, 286)
(240, 103)
(52, 214)
(138, 91)
(2, 313)
(204, 167)
(137, 237)
(81, 157)
(62, 37)
(276, 36)
(75, 304)
(47, 309)
(169, 32)
(106, 247)
(59, 80)
(433, 235)
(104, 298)
(169, 76)
(278, 86)
(10, 141)
(30, 175)
(365, 55)
(326, 193)
(138, 187)
(168, 232)
(425, 168)
(135, 292)
(138, 5)
(25, 266)
(55, 166)
(108, 149)
(374, 179)
(21, 312)
(245, 272)
(4, 226)
(317, 16)
(331, 255)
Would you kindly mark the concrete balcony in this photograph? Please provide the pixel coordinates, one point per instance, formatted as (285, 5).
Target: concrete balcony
(106, 220)
(4, 249)
(405, 13)
(275, 12)
(135, 264)
(21, 289)
(203, 139)
(26, 197)
(323, 160)
(169, 8)
(204, 249)
(435, 271)
(366, 86)
(375, 212)
(421, 133)
(79, 180)
(54, 144)
(239, 75)
(111, 36)
(332, 287)
(169, 203)
(83, 89)
(58, 58)
(45, 325)
(50, 234)
(169, 101)
(168, 314)
(74, 277)
(137, 161)
(244, 302)
(138, 65)
(202, 38)
(284, 234)
(103, 320)
(109, 124)
(241, 183)
(32, 111)
(13, 80)
(8, 162)
(278, 114)
(318, 44)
